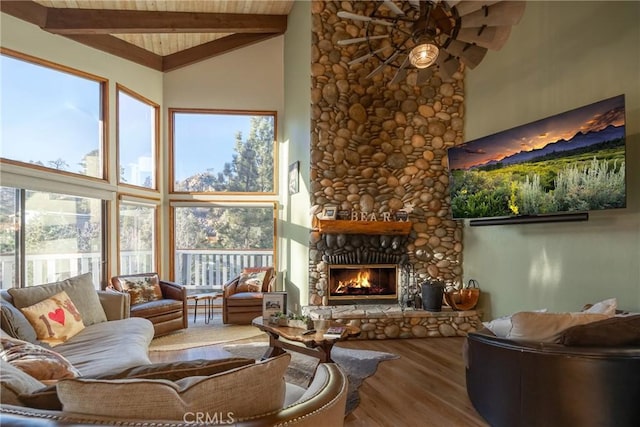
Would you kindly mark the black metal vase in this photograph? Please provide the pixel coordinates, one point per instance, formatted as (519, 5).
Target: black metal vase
(432, 293)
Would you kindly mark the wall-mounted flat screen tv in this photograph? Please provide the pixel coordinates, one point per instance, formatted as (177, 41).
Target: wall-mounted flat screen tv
(570, 162)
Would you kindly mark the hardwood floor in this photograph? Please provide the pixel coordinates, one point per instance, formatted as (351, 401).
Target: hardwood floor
(424, 387)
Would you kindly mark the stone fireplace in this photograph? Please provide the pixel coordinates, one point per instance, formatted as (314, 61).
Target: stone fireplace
(376, 149)
(351, 284)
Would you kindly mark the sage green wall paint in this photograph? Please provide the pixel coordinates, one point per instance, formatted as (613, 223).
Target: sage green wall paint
(562, 55)
(294, 221)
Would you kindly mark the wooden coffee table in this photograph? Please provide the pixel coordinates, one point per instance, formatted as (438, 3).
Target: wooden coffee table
(314, 345)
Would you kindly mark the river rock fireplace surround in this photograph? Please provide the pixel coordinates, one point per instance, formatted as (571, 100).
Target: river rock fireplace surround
(364, 280)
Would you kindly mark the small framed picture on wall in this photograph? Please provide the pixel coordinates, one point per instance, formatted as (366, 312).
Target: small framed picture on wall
(329, 212)
(294, 177)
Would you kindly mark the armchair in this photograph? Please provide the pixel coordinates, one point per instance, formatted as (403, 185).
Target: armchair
(163, 303)
(242, 296)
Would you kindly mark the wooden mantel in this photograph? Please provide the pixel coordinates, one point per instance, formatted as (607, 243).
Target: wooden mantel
(337, 226)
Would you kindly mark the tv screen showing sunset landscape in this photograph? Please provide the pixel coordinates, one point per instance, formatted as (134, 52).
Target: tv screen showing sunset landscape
(570, 162)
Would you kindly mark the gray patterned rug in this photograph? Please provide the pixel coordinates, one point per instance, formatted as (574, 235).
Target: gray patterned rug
(358, 365)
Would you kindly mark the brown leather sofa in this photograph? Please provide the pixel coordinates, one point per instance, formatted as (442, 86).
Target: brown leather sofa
(518, 384)
(242, 300)
(167, 311)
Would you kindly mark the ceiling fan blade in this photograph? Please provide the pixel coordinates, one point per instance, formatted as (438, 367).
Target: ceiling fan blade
(466, 7)
(353, 16)
(470, 54)
(367, 56)
(360, 40)
(401, 73)
(381, 66)
(448, 65)
(490, 37)
(503, 13)
(392, 7)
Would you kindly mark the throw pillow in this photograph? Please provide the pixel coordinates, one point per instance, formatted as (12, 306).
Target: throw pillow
(14, 382)
(501, 326)
(547, 327)
(55, 319)
(80, 289)
(227, 392)
(41, 363)
(141, 287)
(47, 398)
(15, 323)
(253, 279)
(608, 306)
(613, 332)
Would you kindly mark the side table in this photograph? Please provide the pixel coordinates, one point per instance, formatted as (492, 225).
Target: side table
(208, 304)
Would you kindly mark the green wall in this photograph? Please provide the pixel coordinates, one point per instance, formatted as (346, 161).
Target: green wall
(294, 224)
(562, 55)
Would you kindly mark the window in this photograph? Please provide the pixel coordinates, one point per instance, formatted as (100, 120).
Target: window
(52, 116)
(61, 236)
(137, 225)
(137, 139)
(222, 151)
(213, 243)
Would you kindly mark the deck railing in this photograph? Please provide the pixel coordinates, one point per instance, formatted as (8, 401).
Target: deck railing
(197, 269)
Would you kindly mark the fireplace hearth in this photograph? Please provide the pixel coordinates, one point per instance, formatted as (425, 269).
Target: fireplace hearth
(364, 283)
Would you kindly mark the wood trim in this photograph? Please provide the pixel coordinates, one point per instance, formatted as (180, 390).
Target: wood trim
(92, 27)
(212, 49)
(120, 48)
(29, 11)
(156, 136)
(171, 123)
(337, 226)
(105, 21)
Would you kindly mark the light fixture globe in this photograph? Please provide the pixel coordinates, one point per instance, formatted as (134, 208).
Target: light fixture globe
(423, 55)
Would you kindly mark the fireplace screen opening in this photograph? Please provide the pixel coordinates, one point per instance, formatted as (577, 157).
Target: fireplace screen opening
(363, 281)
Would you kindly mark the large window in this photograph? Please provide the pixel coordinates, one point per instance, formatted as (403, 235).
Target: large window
(48, 237)
(137, 225)
(52, 116)
(222, 151)
(214, 243)
(137, 139)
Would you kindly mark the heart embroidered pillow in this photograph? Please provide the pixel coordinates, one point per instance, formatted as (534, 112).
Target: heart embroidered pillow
(55, 319)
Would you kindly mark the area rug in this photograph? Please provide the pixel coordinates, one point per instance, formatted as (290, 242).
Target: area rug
(201, 334)
(357, 364)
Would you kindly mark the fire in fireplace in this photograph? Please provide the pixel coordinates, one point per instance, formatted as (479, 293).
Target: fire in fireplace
(354, 282)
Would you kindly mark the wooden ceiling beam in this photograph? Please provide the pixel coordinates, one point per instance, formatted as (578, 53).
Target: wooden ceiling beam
(92, 28)
(211, 49)
(120, 48)
(26, 10)
(102, 21)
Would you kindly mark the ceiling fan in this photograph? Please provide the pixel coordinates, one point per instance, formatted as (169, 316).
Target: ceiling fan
(416, 34)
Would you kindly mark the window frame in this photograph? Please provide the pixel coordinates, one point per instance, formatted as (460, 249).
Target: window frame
(156, 139)
(104, 116)
(226, 203)
(124, 198)
(172, 145)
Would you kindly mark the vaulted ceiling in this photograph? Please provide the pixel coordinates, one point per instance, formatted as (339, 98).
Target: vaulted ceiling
(163, 34)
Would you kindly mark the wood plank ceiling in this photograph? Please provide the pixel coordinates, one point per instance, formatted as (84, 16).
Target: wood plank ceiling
(162, 34)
